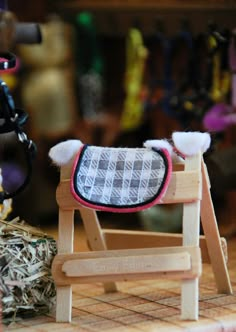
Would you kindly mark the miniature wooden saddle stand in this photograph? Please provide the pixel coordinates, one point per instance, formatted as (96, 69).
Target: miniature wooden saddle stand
(120, 255)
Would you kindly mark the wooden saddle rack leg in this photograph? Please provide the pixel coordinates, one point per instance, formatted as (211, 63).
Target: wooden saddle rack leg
(118, 255)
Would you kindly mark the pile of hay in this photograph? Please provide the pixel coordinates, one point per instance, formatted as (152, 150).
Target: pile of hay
(26, 283)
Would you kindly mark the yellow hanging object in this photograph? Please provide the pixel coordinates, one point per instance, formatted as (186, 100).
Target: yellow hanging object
(6, 206)
(220, 79)
(136, 54)
(188, 105)
(215, 91)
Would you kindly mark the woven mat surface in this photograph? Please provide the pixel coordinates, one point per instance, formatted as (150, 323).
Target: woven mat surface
(144, 306)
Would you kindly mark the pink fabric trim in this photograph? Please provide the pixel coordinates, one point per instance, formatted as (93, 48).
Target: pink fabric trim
(179, 153)
(122, 210)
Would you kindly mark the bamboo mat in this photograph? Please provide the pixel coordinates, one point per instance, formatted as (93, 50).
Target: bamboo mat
(142, 306)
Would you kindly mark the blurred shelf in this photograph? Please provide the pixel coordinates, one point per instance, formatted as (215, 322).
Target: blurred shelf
(71, 5)
(114, 17)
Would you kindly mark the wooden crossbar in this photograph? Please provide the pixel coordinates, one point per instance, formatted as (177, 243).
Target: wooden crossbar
(120, 265)
(131, 239)
(128, 265)
(183, 188)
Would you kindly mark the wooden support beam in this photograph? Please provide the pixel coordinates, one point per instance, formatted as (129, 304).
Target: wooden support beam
(211, 232)
(122, 265)
(130, 265)
(127, 239)
(184, 187)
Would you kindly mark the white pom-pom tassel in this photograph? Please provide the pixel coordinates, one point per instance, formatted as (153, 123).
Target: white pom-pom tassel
(190, 143)
(63, 152)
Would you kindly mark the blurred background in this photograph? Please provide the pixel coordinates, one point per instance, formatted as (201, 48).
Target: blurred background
(116, 73)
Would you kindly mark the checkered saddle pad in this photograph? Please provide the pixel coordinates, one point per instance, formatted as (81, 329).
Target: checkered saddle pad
(120, 179)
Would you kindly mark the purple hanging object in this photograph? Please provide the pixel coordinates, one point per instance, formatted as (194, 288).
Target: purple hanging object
(219, 117)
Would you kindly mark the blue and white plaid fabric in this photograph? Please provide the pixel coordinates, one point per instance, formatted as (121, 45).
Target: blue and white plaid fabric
(119, 177)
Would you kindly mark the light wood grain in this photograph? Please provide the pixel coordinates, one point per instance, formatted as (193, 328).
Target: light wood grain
(183, 187)
(65, 246)
(127, 265)
(131, 239)
(195, 270)
(191, 233)
(211, 232)
(95, 238)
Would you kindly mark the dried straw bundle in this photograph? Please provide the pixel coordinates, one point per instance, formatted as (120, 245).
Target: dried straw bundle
(25, 270)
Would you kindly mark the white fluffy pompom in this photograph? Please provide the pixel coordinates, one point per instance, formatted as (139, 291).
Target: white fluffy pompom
(159, 144)
(190, 143)
(63, 152)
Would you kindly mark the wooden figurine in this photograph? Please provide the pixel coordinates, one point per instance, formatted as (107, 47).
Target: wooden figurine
(124, 180)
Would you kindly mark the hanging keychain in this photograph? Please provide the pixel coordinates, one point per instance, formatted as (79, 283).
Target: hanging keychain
(13, 119)
(168, 91)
